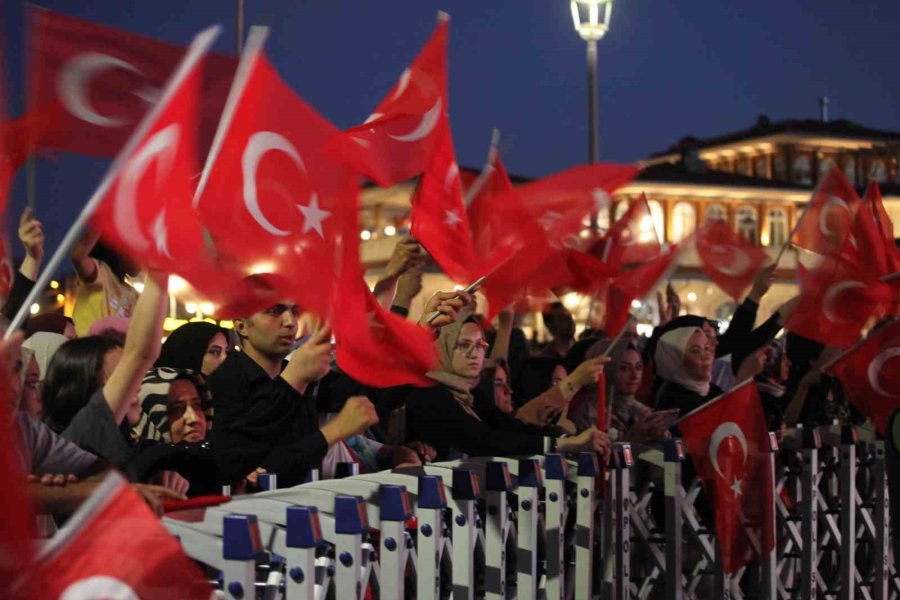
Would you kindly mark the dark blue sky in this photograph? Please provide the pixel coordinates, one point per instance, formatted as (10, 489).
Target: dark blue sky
(667, 69)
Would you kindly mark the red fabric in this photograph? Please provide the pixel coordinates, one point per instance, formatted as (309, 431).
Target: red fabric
(866, 244)
(496, 184)
(147, 212)
(837, 299)
(728, 443)
(400, 137)
(884, 229)
(439, 219)
(92, 84)
(632, 239)
(17, 525)
(871, 375)
(728, 259)
(634, 285)
(121, 546)
(828, 219)
(196, 502)
(273, 202)
(589, 275)
(375, 346)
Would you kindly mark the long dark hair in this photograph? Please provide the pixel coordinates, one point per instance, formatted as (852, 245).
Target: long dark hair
(74, 374)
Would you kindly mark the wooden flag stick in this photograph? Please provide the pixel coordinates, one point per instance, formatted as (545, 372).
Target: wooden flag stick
(486, 171)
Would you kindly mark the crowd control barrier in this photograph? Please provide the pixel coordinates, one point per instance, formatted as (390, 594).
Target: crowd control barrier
(537, 528)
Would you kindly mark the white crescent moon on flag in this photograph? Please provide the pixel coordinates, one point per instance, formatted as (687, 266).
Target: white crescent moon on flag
(258, 145)
(874, 371)
(426, 125)
(74, 81)
(823, 214)
(452, 174)
(721, 432)
(99, 586)
(161, 147)
(739, 264)
(402, 83)
(831, 295)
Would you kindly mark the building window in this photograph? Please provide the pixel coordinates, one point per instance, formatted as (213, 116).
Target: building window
(850, 171)
(802, 171)
(778, 227)
(747, 224)
(879, 171)
(745, 166)
(659, 219)
(761, 167)
(684, 221)
(621, 208)
(716, 212)
(825, 165)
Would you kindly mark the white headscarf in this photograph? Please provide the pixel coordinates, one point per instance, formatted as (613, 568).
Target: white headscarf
(669, 360)
(44, 344)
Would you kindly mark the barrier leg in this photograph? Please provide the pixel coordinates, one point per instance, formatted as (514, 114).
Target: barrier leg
(809, 498)
(556, 469)
(465, 492)
(585, 507)
(498, 483)
(304, 534)
(848, 513)
(429, 512)
(394, 512)
(351, 524)
(881, 550)
(240, 546)
(674, 456)
(769, 560)
(622, 521)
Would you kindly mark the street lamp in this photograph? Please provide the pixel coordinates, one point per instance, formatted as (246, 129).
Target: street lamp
(591, 19)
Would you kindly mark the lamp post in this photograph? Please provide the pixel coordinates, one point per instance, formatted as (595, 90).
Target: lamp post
(591, 19)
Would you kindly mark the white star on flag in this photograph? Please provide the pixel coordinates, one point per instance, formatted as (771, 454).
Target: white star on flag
(736, 487)
(313, 216)
(451, 218)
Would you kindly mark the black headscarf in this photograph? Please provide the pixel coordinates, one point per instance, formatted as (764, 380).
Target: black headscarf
(185, 347)
(535, 379)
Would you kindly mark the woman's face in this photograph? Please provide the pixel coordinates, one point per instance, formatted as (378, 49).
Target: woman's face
(468, 354)
(215, 354)
(558, 374)
(627, 377)
(698, 357)
(184, 410)
(502, 391)
(785, 368)
(31, 391)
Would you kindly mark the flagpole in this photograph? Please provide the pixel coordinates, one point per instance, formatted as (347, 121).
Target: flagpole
(199, 45)
(486, 171)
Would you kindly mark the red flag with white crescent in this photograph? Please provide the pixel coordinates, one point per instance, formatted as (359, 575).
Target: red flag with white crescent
(882, 248)
(632, 239)
(115, 547)
(400, 137)
(634, 285)
(871, 375)
(272, 201)
(728, 259)
(829, 217)
(728, 442)
(90, 85)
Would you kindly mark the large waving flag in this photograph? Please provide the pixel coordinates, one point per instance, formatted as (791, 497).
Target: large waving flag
(632, 239)
(728, 259)
(827, 220)
(271, 199)
(400, 137)
(91, 85)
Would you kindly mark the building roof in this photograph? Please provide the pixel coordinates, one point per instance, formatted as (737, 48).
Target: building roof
(764, 127)
(678, 173)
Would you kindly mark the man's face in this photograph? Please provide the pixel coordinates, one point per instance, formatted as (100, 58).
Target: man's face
(271, 332)
(561, 324)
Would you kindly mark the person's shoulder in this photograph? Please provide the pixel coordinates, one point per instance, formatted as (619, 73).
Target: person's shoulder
(230, 369)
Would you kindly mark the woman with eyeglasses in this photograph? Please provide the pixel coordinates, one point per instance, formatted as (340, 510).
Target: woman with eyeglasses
(445, 416)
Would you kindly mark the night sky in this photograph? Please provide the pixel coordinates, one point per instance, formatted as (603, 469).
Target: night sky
(666, 70)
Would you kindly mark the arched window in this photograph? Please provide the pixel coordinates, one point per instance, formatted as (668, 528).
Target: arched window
(802, 171)
(659, 219)
(747, 224)
(684, 221)
(716, 212)
(850, 170)
(621, 207)
(778, 227)
(879, 171)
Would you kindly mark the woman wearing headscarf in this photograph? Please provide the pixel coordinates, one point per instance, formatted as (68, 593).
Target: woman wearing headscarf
(51, 323)
(444, 416)
(44, 345)
(30, 384)
(683, 361)
(197, 346)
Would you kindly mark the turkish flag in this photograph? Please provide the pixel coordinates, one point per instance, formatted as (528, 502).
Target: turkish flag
(632, 239)
(400, 137)
(884, 229)
(589, 275)
(871, 375)
(375, 346)
(272, 201)
(439, 220)
(837, 299)
(494, 182)
(728, 443)
(828, 219)
(728, 259)
(634, 285)
(531, 228)
(92, 84)
(115, 547)
(147, 211)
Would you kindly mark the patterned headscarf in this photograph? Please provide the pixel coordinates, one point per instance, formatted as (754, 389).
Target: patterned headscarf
(461, 387)
(154, 395)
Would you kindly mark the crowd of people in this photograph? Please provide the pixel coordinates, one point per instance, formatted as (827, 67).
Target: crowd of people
(210, 407)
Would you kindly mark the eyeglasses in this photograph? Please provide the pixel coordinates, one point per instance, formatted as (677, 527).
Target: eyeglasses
(467, 346)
